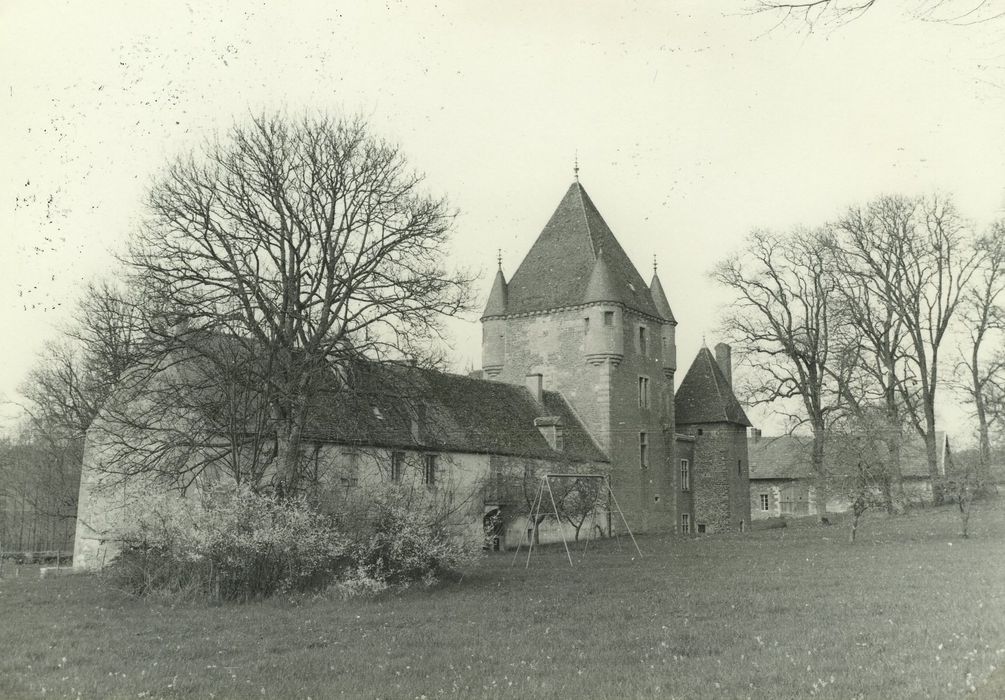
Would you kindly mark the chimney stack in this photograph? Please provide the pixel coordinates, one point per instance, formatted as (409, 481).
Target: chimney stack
(534, 385)
(724, 358)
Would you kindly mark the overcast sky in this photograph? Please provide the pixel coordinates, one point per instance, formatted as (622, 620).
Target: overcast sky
(695, 122)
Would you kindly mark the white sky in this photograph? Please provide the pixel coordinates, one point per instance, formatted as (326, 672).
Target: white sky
(694, 124)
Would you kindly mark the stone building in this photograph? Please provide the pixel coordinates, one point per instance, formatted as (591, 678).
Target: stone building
(782, 481)
(578, 319)
(579, 361)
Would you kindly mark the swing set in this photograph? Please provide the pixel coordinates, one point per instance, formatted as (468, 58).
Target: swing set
(537, 511)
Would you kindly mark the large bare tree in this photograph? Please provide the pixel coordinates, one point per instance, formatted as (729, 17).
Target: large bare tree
(784, 320)
(981, 369)
(910, 262)
(286, 249)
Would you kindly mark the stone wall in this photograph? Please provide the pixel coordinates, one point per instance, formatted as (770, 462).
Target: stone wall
(720, 477)
(603, 390)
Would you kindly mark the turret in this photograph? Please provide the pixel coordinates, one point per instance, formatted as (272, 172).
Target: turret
(494, 327)
(604, 318)
(668, 326)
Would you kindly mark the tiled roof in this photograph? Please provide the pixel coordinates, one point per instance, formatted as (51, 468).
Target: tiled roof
(394, 405)
(660, 298)
(788, 456)
(496, 305)
(705, 396)
(558, 267)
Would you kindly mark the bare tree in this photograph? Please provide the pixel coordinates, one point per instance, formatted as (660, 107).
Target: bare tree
(981, 369)
(910, 258)
(784, 321)
(305, 243)
(813, 12)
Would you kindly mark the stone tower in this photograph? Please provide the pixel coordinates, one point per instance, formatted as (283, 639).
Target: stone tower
(707, 411)
(578, 314)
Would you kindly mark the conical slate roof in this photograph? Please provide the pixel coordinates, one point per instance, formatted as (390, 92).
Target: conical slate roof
(705, 396)
(557, 270)
(660, 298)
(601, 286)
(496, 305)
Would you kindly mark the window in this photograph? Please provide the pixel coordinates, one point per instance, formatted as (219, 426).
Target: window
(643, 392)
(642, 340)
(397, 465)
(429, 470)
(350, 475)
(559, 439)
(764, 501)
(701, 528)
(643, 450)
(685, 523)
(608, 318)
(586, 325)
(739, 467)
(685, 475)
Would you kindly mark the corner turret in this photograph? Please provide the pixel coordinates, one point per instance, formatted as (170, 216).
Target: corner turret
(494, 327)
(605, 341)
(669, 325)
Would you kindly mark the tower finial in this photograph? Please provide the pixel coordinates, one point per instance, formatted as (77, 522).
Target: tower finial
(575, 165)
(499, 258)
(654, 263)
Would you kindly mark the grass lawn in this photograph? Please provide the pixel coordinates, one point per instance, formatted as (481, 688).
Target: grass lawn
(909, 611)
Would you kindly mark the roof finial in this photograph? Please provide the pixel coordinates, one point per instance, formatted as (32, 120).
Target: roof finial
(499, 258)
(703, 343)
(575, 165)
(654, 263)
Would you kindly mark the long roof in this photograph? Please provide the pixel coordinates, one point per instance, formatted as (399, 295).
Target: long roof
(395, 405)
(557, 269)
(788, 456)
(705, 396)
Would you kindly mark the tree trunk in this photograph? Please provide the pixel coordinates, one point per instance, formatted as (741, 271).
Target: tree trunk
(932, 453)
(819, 435)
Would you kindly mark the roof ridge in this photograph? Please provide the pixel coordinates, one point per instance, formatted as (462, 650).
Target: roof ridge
(586, 218)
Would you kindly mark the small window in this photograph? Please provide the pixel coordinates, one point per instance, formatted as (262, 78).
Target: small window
(643, 392)
(586, 325)
(559, 439)
(685, 523)
(764, 501)
(701, 528)
(429, 470)
(739, 467)
(700, 431)
(642, 340)
(608, 318)
(397, 466)
(685, 475)
(643, 450)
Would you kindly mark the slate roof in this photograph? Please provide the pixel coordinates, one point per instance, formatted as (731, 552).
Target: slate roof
(788, 456)
(496, 305)
(395, 405)
(704, 396)
(557, 269)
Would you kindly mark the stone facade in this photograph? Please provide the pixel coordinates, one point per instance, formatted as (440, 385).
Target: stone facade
(577, 314)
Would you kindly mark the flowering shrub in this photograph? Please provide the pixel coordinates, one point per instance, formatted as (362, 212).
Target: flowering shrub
(403, 537)
(240, 545)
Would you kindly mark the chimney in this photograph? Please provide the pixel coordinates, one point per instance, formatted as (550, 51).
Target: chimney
(534, 385)
(755, 434)
(724, 358)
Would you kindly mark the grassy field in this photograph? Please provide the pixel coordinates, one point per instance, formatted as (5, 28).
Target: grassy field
(909, 611)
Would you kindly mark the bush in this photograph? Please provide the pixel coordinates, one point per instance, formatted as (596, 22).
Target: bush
(241, 545)
(403, 538)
